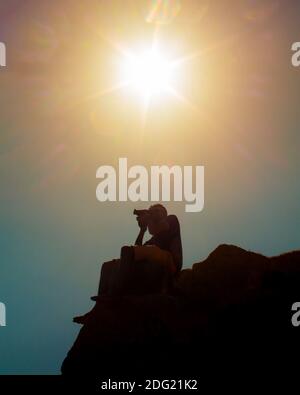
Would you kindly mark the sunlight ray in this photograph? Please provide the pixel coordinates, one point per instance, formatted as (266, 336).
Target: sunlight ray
(190, 57)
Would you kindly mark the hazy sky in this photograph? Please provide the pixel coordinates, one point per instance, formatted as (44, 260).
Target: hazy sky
(236, 113)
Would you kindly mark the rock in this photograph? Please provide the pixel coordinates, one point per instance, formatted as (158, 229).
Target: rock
(233, 302)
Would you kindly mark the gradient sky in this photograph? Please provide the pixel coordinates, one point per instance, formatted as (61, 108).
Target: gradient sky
(238, 115)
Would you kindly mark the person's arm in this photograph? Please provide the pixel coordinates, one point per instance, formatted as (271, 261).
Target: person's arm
(142, 221)
(139, 240)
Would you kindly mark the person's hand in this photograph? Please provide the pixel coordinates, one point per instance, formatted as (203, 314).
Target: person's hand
(142, 222)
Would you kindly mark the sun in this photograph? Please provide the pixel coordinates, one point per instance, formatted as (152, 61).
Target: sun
(148, 73)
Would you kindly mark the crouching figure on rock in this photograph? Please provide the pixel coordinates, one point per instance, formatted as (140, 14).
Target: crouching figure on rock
(145, 268)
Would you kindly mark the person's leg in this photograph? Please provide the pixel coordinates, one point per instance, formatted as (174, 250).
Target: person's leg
(108, 285)
(156, 255)
(160, 267)
(128, 274)
(138, 275)
(146, 269)
(109, 277)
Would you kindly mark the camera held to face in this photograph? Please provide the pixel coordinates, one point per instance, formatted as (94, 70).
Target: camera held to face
(140, 213)
(143, 217)
(152, 216)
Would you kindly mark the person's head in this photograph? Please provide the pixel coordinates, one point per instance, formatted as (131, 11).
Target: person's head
(158, 219)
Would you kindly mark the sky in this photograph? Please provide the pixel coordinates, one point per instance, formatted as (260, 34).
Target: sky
(63, 114)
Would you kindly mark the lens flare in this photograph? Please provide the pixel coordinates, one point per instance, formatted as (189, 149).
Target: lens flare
(162, 11)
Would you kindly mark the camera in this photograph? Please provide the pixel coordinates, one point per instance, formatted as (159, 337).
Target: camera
(141, 213)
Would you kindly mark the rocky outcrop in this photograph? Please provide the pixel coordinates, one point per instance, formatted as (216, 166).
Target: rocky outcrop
(235, 303)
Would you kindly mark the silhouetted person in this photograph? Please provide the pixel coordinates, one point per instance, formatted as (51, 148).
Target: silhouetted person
(145, 268)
